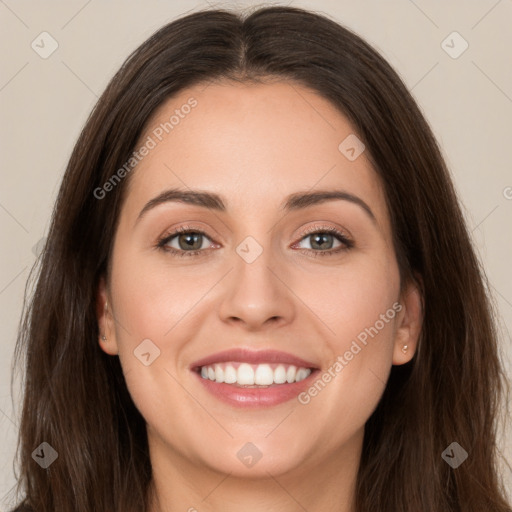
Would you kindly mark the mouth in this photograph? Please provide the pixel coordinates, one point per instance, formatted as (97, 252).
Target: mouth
(254, 375)
(245, 378)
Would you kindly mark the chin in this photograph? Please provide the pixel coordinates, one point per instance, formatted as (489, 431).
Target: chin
(255, 459)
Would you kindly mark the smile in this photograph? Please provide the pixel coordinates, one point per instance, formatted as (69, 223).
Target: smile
(256, 375)
(246, 378)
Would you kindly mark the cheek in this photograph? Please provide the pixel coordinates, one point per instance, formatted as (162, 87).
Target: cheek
(151, 298)
(365, 311)
(360, 308)
(356, 295)
(156, 310)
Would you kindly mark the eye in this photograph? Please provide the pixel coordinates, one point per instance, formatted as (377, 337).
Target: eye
(190, 242)
(184, 242)
(322, 240)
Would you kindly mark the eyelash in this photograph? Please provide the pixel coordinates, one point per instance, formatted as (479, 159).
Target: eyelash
(348, 244)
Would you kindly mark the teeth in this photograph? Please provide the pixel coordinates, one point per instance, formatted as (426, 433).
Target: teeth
(244, 374)
(290, 374)
(264, 375)
(302, 373)
(280, 375)
(229, 374)
(219, 373)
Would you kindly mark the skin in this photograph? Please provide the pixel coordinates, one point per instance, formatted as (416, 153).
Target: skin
(254, 145)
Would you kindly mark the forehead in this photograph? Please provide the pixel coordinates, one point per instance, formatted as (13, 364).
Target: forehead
(252, 144)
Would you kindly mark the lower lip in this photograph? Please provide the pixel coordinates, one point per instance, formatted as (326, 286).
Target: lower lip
(256, 397)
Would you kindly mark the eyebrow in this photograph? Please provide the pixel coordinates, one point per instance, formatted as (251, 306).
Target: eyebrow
(293, 202)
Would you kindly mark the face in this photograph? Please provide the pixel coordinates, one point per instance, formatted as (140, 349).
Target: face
(248, 282)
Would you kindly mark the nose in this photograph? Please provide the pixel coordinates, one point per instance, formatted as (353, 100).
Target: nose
(256, 294)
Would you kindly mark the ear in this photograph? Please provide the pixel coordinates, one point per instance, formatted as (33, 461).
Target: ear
(105, 320)
(409, 323)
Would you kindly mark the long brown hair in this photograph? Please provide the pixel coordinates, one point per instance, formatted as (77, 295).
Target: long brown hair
(75, 396)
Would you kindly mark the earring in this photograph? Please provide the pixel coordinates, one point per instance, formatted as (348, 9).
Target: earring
(404, 349)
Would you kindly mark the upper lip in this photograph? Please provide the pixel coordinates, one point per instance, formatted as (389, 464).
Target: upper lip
(242, 355)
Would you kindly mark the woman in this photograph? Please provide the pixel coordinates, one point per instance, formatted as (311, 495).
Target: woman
(186, 351)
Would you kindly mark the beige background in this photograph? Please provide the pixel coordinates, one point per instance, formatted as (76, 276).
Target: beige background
(45, 102)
